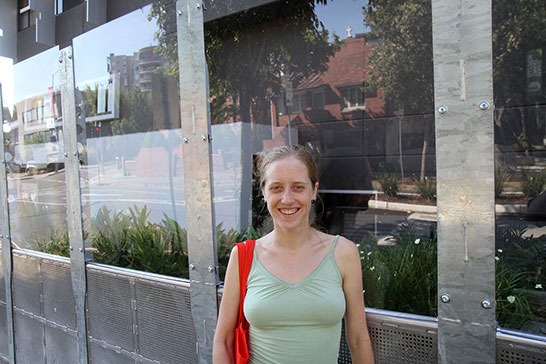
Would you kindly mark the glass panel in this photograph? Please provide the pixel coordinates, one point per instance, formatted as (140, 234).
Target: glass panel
(519, 79)
(353, 83)
(130, 136)
(34, 150)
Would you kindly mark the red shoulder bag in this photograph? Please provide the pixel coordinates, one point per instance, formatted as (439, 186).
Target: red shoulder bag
(245, 252)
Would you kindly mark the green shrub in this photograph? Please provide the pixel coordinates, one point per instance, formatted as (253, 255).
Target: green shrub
(426, 188)
(533, 185)
(500, 179)
(402, 277)
(389, 184)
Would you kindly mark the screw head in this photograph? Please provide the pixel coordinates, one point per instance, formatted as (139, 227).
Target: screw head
(75, 153)
(486, 304)
(203, 138)
(65, 154)
(192, 267)
(442, 109)
(484, 106)
(1, 236)
(210, 269)
(179, 12)
(445, 298)
(60, 59)
(185, 140)
(71, 248)
(198, 6)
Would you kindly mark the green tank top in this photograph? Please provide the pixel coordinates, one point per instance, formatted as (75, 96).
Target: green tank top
(295, 323)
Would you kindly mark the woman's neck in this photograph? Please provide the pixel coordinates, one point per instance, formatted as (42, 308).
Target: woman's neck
(292, 239)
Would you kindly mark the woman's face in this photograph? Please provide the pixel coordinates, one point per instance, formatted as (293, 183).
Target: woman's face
(288, 192)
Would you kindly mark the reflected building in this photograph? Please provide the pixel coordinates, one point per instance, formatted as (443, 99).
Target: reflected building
(136, 70)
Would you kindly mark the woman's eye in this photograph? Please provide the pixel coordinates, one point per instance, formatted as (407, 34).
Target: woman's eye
(300, 188)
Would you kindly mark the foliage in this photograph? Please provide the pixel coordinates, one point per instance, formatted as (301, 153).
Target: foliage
(135, 113)
(533, 185)
(513, 308)
(389, 184)
(402, 61)
(500, 179)
(226, 240)
(402, 277)
(426, 188)
(249, 51)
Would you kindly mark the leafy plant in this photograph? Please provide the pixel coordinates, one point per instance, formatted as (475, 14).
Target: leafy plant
(500, 179)
(389, 184)
(513, 307)
(533, 185)
(401, 277)
(426, 188)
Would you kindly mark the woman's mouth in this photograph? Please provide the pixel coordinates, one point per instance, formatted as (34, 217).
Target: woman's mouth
(291, 211)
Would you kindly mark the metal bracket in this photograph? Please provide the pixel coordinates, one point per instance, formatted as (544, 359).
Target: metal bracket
(197, 172)
(73, 198)
(7, 262)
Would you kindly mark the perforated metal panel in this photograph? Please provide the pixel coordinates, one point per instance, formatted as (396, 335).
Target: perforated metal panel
(58, 294)
(165, 311)
(26, 284)
(101, 355)
(110, 314)
(29, 340)
(61, 348)
(513, 350)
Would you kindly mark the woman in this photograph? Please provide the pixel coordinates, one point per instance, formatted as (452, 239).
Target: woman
(302, 281)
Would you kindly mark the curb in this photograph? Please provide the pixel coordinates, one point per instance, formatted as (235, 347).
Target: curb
(410, 208)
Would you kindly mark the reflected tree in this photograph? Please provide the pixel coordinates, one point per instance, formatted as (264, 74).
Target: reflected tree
(401, 65)
(250, 56)
(518, 71)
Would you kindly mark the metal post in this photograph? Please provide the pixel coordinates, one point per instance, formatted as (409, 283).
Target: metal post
(463, 88)
(197, 173)
(73, 198)
(5, 235)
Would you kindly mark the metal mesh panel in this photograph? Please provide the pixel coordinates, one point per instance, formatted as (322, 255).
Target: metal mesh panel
(514, 352)
(29, 340)
(344, 352)
(110, 316)
(505, 356)
(61, 347)
(3, 330)
(399, 346)
(165, 312)
(100, 355)
(58, 295)
(26, 284)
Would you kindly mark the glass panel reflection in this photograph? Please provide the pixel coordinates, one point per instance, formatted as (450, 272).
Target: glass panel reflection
(520, 163)
(132, 167)
(34, 150)
(317, 75)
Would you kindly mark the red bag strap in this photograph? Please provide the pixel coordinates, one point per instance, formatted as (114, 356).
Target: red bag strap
(245, 253)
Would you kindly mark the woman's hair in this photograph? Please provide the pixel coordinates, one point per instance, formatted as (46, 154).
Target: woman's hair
(285, 151)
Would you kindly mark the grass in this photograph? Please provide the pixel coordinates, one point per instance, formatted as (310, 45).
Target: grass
(389, 184)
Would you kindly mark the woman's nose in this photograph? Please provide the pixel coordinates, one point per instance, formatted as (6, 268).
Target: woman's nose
(287, 196)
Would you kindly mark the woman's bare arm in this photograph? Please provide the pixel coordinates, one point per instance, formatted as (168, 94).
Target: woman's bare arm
(356, 329)
(222, 350)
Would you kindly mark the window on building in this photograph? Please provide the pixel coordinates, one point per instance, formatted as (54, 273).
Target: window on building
(352, 97)
(299, 102)
(318, 100)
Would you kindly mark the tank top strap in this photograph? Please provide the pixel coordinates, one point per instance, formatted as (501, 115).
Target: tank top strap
(334, 243)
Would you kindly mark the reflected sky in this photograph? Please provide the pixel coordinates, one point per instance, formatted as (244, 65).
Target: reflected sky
(122, 36)
(125, 35)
